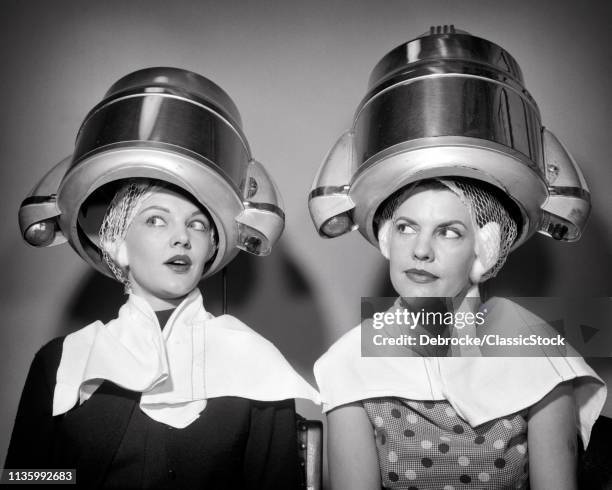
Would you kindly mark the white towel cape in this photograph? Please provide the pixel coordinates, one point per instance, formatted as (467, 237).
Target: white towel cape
(194, 358)
(480, 389)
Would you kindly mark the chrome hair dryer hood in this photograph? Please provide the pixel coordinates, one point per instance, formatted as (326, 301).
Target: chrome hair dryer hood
(167, 124)
(449, 104)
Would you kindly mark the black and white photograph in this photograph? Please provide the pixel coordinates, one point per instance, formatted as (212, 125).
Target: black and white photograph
(326, 245)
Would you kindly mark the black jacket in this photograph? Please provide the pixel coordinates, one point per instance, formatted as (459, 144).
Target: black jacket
(236, 443)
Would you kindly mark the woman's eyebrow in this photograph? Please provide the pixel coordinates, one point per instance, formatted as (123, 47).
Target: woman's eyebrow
(453, 222)
(405, 218)
(442, 224)
(159, 208)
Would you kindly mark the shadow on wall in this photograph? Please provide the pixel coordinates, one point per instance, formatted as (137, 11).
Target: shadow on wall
(269, 294)
(528, 271)
(543, 267)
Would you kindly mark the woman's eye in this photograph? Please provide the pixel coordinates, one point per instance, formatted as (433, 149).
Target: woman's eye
(155, 221)
(199, 225)
(451, 233)
(404, 228)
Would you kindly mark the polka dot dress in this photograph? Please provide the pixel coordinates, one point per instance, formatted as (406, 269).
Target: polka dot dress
(426, 445)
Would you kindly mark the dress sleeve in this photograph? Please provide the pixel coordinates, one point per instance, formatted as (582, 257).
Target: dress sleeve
(31, 443)
(271, 459)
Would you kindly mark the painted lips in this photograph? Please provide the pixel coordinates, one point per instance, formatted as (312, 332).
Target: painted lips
(420, 276)
(179, 263)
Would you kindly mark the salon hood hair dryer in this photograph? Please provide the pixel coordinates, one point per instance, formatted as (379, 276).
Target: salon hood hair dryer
(167, 124)
(449, 104)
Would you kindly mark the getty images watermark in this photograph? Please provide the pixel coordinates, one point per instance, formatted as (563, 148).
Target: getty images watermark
(500, 327)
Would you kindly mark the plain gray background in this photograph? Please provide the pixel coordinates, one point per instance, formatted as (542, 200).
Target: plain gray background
(297, 71)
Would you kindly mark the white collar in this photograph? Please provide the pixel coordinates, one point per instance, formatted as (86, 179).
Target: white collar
(195, 357)
(480, 389)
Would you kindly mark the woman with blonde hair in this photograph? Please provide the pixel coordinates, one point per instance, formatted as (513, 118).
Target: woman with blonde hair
(161, 192)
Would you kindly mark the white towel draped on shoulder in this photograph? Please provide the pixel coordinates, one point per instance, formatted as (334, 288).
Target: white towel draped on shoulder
(480, 389)
(194, 358)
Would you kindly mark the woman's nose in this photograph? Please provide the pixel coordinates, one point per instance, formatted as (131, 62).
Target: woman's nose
(180, 238)
(423, 249)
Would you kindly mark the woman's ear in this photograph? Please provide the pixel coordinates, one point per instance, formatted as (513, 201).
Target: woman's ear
(120, 255)
(383, 238)
(487, 248)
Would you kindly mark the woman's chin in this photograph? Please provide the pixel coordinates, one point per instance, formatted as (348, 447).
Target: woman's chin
(175, 295)
(410, 290)
(436, 289)
(177, 289)
(165, 297)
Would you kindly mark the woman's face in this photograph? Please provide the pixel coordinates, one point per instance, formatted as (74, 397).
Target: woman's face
(431, 245)
(166, 248)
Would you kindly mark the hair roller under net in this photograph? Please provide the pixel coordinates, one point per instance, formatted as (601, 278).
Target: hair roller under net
(119, 215)
(485, 208)
(483, 205)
